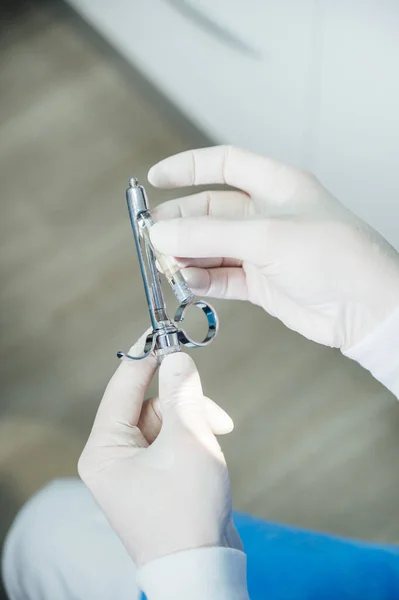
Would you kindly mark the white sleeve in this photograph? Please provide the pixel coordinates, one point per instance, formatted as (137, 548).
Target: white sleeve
(200, 574)
(379, 353)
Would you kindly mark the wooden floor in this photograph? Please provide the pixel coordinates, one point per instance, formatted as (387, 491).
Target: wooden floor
(316, 439)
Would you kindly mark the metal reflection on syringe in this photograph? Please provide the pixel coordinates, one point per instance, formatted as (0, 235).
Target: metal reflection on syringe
(166, 336)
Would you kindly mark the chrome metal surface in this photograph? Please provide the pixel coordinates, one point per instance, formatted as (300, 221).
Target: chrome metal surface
(166, 336)
(211, 316)
(137, 196)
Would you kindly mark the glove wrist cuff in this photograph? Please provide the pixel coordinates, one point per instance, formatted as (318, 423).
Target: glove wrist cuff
(378, 352)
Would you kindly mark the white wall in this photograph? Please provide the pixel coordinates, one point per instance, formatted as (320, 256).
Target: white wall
(312, 82)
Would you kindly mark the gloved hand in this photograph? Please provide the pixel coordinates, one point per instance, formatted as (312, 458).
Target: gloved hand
(283, 242)
(164, 486)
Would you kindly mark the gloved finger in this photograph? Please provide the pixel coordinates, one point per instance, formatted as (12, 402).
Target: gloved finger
(229, 283)
(256, 175)
(218, 203)
(206, 237)
(204, 263)
(220, 422)
(181, 398)
(150, 422)
(124, 395)
(208, 263)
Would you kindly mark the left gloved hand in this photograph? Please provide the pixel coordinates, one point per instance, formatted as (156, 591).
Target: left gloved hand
(163, 485)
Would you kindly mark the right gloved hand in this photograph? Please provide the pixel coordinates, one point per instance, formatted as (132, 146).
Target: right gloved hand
(156, 469)
(283, 242)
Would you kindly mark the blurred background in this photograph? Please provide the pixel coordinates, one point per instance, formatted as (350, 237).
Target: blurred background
(93, 92)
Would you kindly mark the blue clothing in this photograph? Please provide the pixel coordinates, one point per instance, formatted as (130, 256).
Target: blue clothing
(286, 563)
(61, 547)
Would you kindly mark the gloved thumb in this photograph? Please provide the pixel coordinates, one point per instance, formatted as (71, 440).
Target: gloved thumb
(208, 237)
(181, 398)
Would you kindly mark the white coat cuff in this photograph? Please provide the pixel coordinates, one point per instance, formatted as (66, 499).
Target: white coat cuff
(200, 574)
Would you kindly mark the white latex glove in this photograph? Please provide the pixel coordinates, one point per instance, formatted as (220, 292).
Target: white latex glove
(164, 487)
(283, 242)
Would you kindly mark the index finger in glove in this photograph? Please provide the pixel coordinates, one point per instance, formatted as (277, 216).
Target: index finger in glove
(254, 174)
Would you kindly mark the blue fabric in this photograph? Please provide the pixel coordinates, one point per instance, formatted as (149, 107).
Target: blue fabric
(285, 563)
